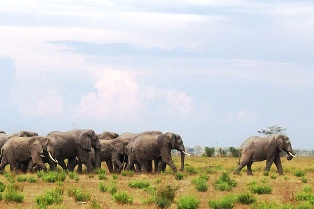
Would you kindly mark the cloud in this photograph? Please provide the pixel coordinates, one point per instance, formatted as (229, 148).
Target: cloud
(45, 104)
(179, 103)
(117, 95)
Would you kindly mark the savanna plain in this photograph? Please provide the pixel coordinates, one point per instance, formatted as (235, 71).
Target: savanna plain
(206, 182)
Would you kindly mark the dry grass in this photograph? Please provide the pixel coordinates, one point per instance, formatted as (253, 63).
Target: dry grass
(284, 188)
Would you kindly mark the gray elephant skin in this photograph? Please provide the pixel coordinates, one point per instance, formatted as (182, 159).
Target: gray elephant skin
(148, 147)
(24, 149)
(71, 145)
(267, 148)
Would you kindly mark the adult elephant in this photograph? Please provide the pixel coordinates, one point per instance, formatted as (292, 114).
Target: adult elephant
(268, 148)
(24, 149)
(149, 147)
(72, 144)
(105, 151)
(107, 135)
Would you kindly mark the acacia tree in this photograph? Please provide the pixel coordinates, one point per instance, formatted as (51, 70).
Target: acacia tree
(209, 152)
(272, 130)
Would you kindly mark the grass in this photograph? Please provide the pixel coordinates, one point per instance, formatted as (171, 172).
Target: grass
(287, 191)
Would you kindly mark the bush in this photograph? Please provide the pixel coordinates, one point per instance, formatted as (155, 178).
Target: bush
(201, 185)
(21, 179)
(74, 175)
(100, 171)
(223, 203)
(112, 189)
(299, 173)
(178, 176)
(11, 194)
(165, 196)
(190, 170)
(188, 202)
(49, 198)
(246, 198)
(32, 179)
(123, 198)
(79, 195)
(53, 176)
(139, 184)
(256, 189)
(225, 183)
(102, 176)
(9, 177)
(2, 186)
(127, 173)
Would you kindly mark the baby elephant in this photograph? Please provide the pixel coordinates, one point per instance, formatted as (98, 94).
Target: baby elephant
(264, 148)
(24, 149)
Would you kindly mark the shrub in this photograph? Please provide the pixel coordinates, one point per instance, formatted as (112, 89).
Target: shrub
(49, 198)
(53, 176)
(266, 173)
(32, 179)
(112, 189)
(127, 173)
(123, 198)
(95, 204)
(178, 176)
(246, 198)
(114, 176)
(223, 203)
(256, 189)
(201, 185)
(165, 196)
(74, 175)
(12, 195)
(2, 186)
(21, 179)
(100, 171)
(139, 184)
(299, 173)
(191, 170)
(9, 177)
(79, 195)
(188, 202)
(303, 179)
(102, 176)
(225, 183)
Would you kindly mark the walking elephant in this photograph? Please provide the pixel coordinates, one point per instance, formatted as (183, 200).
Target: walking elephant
(264, 148)
(71, 145)
(24, 149)
(148, 147)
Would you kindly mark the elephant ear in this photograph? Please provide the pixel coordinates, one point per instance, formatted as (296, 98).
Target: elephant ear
(36, 146)
(167, 139)
(85, 139)
(279, 141)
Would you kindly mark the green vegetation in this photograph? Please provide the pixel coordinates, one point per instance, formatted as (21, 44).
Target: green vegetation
(223, 203)
(49, 198)
(225, 183)
(79, 195)
(123, 198)
(139, 184)
(188, 202)
(13, 194)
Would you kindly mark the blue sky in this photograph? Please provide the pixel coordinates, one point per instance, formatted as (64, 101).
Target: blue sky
(214, 72)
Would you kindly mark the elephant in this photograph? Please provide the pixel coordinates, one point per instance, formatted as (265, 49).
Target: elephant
(105, 151)
(268, 148)
(71, 145)
(148, 147)
(4, 138)
(24, 149)
(107, 135)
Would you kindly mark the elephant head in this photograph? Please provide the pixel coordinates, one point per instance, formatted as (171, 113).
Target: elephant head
(283, 144)
(107, 135)
(173, 141)
(89, 139)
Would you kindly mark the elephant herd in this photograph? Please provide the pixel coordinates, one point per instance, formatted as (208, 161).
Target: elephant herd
(26, 151)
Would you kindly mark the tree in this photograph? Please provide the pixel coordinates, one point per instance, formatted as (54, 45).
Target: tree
(273, 130)
(234, 152)
(209, 152)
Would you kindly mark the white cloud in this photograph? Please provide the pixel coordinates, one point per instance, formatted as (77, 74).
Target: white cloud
(117, 95)
(179, 103)
(34, 104)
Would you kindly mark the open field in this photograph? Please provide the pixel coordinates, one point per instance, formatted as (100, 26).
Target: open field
(285, 190)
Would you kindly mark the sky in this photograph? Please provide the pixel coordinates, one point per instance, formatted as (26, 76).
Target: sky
(213, 71)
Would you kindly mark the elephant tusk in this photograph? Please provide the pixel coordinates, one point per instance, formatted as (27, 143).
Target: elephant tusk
(291, 154)
(185, 153)
(52, 158)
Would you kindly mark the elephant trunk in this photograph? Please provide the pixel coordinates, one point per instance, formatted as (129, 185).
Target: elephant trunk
(97, 158)
(182, 160)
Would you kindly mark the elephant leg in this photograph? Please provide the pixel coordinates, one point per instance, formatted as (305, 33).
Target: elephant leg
(278, 165)
(149, 168)
(72, 162)
(109, 165)
(269, 162)
(249, 169)
(62, 164)
(169, 161)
